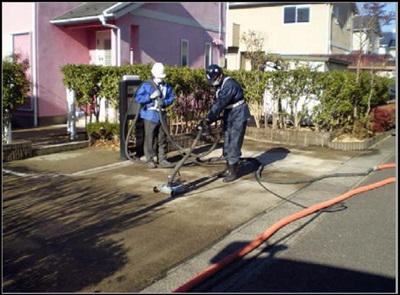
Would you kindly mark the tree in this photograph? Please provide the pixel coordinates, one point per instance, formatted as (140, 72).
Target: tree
(254, 44)
(16, 86)
(367, 27)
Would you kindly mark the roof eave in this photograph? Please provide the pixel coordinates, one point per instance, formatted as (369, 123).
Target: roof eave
(120, 8)
(72, 21)
(126, 8)
(236, 5)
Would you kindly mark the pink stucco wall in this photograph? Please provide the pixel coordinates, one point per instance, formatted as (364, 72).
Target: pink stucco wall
(10, 10)
(154, 30)
(161, 39)
(56, 48)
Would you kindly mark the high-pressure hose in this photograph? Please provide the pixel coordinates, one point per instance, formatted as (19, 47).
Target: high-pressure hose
(165, 128)
(259, 177)
(275, 227)
(180, 149)
(169, 188)
(132, 158)
(172, 175)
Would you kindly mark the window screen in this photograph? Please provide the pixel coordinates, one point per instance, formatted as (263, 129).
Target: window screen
(296, 14)
(184, 52)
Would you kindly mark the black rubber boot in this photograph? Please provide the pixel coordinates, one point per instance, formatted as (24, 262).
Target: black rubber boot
(232, 173)
(226, 172)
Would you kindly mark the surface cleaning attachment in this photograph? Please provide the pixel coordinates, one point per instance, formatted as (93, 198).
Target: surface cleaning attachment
(170, 190)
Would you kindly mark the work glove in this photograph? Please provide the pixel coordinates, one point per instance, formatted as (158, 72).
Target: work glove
(204, 125)
(160, 102)
(156, 94)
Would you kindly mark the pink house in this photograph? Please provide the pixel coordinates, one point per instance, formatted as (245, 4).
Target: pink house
(52, 34)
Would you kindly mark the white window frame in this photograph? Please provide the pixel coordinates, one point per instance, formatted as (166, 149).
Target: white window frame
(296, 7)
(184, 52)
(103, 53)
(207, 54)
(336, 12)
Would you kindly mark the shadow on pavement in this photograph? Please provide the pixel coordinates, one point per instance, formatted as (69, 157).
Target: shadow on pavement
(267, 274)
(55, 237)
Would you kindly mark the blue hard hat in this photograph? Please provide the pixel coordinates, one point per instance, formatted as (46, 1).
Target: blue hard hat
(212, 72)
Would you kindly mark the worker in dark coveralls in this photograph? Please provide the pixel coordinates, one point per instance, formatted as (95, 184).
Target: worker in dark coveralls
(230, 100)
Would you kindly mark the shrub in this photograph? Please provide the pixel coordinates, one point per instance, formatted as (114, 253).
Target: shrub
(15, 90)
(102, 131)
(384, 118)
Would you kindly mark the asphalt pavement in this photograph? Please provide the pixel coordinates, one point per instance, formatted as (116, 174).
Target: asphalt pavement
(88, 221)
(348, 247)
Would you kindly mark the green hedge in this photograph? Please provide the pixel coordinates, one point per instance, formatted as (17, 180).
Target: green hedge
(343, 101)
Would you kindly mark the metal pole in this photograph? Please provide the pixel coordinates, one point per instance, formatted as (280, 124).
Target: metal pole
(71, 117)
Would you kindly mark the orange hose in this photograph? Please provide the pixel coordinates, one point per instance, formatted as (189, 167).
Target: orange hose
(270, 231)
(385, 166)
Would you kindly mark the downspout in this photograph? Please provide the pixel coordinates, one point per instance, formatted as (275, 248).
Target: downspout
(34, 67)
(226, 33)
(102, 18)
(220, 29)
(329, 28)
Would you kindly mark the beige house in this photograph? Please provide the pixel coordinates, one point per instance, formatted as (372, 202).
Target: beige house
(366, 34)
(289, 28)
(387, 44)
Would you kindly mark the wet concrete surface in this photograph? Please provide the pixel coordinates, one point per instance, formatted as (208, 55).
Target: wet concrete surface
(88, 221)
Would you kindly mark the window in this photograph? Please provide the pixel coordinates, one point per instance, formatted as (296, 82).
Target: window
(103, 48)
(296, 14)
(107, 52)
(208, 55)
(336, 14)
(184, 52)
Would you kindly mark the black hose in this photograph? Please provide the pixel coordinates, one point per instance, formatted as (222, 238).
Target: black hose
(171, 176)
(139, 108)
(165, 128)
(180, 149)
(259, 177)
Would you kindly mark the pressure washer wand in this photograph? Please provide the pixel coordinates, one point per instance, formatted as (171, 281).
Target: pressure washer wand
(179, 189)
(171, 176)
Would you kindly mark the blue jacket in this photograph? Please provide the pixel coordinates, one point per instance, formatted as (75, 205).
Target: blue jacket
(229, 92)
(149, 108)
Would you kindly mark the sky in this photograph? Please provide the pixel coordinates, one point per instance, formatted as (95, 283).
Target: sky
(390, 6)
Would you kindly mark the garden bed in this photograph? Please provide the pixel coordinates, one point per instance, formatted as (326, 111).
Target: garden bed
(312, 138)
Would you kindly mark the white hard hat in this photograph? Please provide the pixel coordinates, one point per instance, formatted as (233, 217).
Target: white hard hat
(158, 70)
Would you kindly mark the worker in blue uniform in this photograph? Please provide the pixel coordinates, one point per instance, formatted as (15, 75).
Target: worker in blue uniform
(230, 100)
(151, 94)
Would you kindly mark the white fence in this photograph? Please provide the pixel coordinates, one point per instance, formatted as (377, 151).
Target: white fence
(303, 107)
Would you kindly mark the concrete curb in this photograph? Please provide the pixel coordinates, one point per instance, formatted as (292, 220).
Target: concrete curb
(57, 148)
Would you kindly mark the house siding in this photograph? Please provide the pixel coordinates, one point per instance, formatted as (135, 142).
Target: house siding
(56, 47)
(48, 92)
(320, 36)
(24, 23)
(166, 26)
(280, 38)
(342, 31)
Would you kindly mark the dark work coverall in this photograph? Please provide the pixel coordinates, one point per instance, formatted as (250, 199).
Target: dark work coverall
(230, 99)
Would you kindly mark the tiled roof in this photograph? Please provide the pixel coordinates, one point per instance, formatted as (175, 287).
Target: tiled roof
(388, 39)
(366, 22)
(89, 11)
